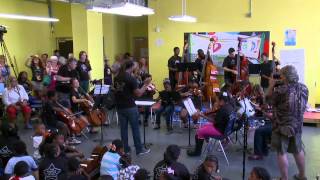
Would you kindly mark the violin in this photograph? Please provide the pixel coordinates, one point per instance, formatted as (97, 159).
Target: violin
(75, 124)
(91, 165)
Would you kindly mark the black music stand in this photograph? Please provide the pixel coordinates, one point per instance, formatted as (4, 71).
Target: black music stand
(191, 111)
(98, 105)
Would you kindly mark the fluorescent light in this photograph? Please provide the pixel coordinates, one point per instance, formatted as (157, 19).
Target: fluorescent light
(30, 18)
(113, 11)
(183, 18)
(125, 9)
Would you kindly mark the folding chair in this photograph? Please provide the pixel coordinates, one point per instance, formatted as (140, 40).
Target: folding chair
(231, 128)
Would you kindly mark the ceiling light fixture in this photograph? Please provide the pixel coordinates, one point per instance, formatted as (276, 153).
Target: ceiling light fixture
(183, 17)
(30, 18)
(124, 8)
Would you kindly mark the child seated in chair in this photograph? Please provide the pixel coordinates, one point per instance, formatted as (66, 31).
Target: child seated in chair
(217, 127)
(167, 98)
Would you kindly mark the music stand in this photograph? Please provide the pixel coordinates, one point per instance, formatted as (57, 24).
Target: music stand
(191, 111)
(145, 104)
(100, 90)
(187, 67)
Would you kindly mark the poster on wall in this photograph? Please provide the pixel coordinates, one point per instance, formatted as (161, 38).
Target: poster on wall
(253, 44)
(290, 37)
(296, 58)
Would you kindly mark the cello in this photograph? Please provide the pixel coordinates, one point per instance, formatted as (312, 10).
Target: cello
(92, 165)
(95, 116)
(75, 124)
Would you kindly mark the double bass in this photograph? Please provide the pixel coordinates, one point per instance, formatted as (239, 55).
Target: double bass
(75, 124)
(209, 75)
(242, 69)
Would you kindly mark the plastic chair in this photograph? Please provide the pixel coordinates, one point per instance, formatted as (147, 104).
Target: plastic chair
(230, 129)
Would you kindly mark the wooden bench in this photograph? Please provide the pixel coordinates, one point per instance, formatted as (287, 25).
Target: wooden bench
(312, 118)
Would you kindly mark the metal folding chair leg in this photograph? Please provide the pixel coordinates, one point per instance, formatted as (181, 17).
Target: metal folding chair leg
(225, 156)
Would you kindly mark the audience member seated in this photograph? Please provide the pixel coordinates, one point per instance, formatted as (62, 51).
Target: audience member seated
(15, 98)
(128, 170)
(66, 150)
(20, 154)
(142, 174)
(259, 173)
(37, 139)
(9, 136)
(24, 81)
(208, 169)
(49, 116)
(167, 105)
(110, 163)
(216, 128)
(171, 165)
(75, 170)
(21, 172)
(53, 166)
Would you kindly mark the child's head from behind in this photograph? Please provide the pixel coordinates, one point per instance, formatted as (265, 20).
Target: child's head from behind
(116, 146)
(20, 148)
(166, 84)
(40, 129)
(52, 150)
(58, 139)
(142, 174)
(259, 173)
(21, 169)
(73, 164)
(172, 154)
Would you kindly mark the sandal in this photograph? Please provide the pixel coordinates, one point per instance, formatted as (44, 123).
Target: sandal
(296, 177)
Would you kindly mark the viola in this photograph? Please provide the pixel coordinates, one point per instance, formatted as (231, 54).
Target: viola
(75, 124)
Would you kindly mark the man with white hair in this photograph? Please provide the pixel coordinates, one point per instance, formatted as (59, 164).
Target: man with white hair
(289, 101)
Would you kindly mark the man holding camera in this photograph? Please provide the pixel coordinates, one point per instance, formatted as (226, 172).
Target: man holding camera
(289, 100)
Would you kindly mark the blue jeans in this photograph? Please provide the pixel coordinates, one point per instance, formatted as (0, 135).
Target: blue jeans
(126, 116)
(261, 138)
(168, 111)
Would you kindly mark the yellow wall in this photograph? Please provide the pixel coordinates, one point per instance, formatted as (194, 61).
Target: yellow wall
(228, 16)
(138, 27)
(26, 37)
(62, 11)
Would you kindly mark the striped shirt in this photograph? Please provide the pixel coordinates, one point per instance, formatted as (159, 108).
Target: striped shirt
(110, 165)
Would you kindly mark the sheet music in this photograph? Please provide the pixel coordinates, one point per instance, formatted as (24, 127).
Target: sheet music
(189, 106)
(104, 89)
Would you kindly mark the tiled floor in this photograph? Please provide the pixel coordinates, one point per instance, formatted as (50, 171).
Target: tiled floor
(160, 140)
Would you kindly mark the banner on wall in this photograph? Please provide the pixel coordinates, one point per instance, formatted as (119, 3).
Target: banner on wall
(296, 58)
(253, 44)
